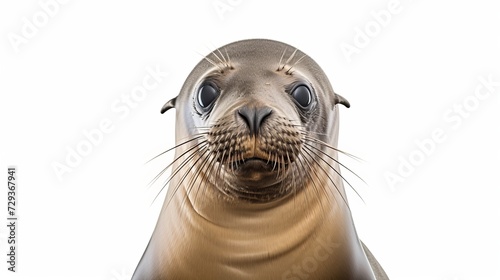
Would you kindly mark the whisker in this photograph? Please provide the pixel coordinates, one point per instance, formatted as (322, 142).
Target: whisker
(201, 135)
(337, 161)
(329, 177)
(294, 64)
(171, 163)
(336, 171)
(281, 66)
(291, 57)
(213, 63)
(294, 184)
(211, 163)
(308, 172)
(222, 158)
(192, 181)
(228, 59)
(218, 171)
(308, 137)
(175, 172)
(222, 61)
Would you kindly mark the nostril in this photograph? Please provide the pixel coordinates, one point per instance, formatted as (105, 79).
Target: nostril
(262, 114)
(246, 115)
(254, 117)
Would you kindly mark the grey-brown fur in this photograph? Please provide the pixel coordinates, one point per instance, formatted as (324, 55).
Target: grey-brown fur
(256, 191)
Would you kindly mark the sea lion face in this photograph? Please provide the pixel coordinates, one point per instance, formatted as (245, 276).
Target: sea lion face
(258, 109)
(255, 127)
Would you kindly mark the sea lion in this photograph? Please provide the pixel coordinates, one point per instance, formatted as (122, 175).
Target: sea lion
(255, 190)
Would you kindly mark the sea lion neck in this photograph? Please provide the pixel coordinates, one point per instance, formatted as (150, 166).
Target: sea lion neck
(304, 210)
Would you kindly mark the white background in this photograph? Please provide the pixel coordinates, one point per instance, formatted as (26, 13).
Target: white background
(440, 222)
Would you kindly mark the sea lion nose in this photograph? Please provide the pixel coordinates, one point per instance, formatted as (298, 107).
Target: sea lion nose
(254, 117)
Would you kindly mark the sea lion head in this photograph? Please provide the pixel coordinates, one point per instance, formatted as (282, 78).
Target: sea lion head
(253, 117)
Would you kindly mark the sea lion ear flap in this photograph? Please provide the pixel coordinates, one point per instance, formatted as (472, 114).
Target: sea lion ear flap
(169, 105)
(340, 99)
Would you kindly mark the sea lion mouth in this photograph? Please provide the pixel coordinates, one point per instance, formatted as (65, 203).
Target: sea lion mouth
(257, 164)
(256, 172)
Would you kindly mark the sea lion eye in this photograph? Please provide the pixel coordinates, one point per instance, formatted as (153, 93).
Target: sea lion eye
(302, 95)
(207, 95)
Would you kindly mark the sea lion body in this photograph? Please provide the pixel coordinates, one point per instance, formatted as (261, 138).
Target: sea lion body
(255, 190)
